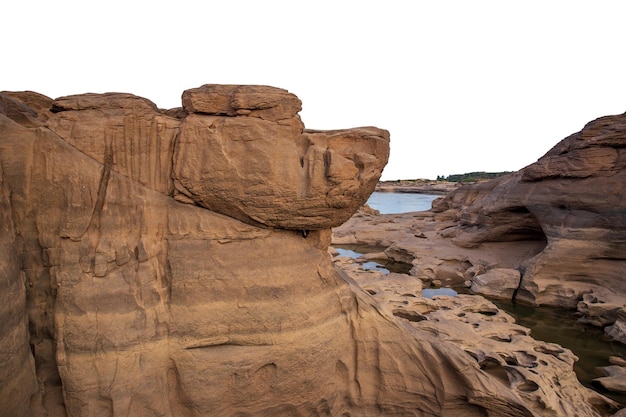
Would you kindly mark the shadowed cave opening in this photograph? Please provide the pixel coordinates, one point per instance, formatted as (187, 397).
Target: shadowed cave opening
(516, 223)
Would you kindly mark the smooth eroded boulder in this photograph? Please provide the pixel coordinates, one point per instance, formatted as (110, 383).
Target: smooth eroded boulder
(572, 199)
(260, 166)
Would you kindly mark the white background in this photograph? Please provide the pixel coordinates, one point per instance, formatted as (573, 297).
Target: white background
(461, 85)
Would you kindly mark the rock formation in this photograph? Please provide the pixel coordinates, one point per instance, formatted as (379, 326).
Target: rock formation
(559, 224)
(175, 263)
(550, 234)
(502, 348)
(573, 198)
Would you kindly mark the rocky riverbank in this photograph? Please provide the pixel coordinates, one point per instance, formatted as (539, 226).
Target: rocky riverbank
(436, 262)
(551, 234)
(420, 186)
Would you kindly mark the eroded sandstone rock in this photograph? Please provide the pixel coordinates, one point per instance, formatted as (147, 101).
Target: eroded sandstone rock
(560, 222)
(18, 378)
(244, 153)
(541, 373)
(122, 300)
(497, 282)
(614, 378)
(573, 197)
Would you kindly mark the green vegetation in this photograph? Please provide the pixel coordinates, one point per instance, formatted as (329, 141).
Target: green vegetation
(472, 176)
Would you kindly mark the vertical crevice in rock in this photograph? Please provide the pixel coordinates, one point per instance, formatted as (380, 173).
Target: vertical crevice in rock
(521, 270)
(328, 159)
(93, 229)
(102, 187)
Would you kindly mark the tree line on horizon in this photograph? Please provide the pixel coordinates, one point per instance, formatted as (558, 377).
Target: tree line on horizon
(472, 176)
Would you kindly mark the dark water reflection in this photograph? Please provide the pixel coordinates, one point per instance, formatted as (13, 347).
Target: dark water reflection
(384, 266)
(585, 341)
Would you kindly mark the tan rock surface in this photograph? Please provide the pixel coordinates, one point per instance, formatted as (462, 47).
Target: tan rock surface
(123, 301)
(18, 379)
(560, 222)
(573, 197)
(244, 153)
(497, 283)
(614, 378)
(541, 373)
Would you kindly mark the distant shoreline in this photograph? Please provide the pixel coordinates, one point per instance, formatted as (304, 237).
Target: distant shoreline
(420, 186)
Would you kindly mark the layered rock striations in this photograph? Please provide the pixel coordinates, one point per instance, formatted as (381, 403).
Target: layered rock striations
(174, 263)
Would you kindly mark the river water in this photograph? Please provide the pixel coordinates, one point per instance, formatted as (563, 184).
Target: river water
(392, 203)
(547, 324)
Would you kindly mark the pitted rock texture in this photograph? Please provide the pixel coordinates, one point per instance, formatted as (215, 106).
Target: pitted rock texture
(120, 300)
(541, 373)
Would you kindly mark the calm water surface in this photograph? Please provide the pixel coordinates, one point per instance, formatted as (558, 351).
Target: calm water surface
(392, 203)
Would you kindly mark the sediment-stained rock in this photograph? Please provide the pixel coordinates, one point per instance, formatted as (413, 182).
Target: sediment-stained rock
(122, 300)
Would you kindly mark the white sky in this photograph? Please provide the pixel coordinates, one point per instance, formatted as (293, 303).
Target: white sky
(461, 85)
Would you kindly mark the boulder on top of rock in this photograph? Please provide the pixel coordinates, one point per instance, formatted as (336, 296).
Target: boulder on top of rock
(244, 153)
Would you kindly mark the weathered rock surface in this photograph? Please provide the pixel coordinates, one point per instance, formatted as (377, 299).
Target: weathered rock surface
(541, 373)
(560, 221)
(550, 234)
(617, 330)
(261, 167)
(573, 197)
(132, 289)
(614, 378)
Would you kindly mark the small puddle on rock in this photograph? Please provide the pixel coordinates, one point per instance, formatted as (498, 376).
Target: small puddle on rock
(383, 265)
(431, 292)
(387, 266)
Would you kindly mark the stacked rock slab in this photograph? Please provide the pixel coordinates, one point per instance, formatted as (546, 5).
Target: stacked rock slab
(242, 152)
(174, 263)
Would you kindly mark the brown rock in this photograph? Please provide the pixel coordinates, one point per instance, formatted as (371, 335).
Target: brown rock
(138, 304)
(267, 171)
(36, 102)
(541, 373)
(267, 103)
(573, 199)
(124, 132)
(18, 379)
(617, 330)
(617, 360)
(614, 378)
(12, 107)
(497, 282)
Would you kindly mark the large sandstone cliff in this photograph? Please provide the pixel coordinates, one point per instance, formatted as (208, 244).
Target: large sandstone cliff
(174, 263)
